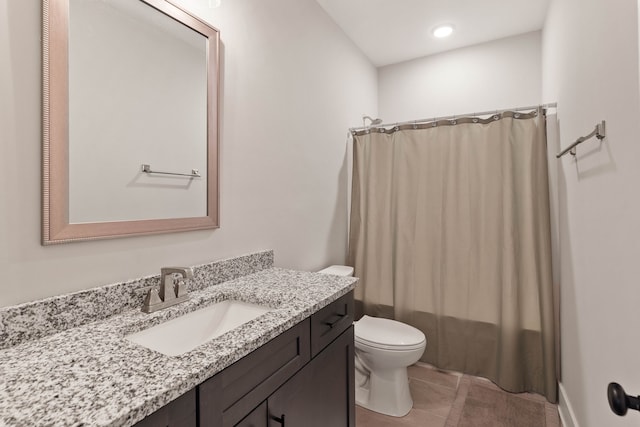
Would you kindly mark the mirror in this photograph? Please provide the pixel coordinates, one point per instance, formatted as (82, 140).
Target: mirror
(130, 110)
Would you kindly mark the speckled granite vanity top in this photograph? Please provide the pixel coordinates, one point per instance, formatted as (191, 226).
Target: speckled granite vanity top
(90, 375)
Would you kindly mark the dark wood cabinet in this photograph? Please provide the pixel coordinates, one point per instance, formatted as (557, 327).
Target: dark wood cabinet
(322, 393)
(303, 377)
(227, 397)
(179, 413)
(328, 323)
(256, 418)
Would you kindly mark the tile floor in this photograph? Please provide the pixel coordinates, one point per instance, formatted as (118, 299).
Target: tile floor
(450, 399)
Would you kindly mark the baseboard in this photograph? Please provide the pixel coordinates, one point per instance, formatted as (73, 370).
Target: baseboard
(567, 416)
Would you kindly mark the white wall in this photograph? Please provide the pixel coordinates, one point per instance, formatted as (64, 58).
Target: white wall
(292, 84)
(500, 74)
(590, 66)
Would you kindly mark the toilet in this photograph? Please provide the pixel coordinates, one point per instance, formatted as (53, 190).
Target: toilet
(384, 349)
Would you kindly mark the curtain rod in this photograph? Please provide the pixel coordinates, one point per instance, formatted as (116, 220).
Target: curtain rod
(456, 116)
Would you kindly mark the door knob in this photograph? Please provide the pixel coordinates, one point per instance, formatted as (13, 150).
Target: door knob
(619, 401)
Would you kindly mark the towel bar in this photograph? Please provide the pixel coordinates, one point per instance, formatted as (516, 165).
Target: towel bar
(194, 172)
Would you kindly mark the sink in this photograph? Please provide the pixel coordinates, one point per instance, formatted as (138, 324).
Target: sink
(190, 330)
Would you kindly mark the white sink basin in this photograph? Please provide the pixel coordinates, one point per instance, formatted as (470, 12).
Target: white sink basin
(188, 331)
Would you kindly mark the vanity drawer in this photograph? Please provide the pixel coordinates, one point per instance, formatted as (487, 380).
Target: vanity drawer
(328, 323)
(228, 396)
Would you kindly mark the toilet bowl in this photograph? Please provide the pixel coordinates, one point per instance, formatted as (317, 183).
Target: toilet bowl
(384, 349)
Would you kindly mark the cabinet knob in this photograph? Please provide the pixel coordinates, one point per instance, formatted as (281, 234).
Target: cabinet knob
(619, 401)
(279, 420)
(337, 318)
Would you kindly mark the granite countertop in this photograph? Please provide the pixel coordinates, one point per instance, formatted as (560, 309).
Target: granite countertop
(91, 375)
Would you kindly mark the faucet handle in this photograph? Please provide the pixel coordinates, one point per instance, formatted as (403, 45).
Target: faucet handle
(151, 299)
(181, 288)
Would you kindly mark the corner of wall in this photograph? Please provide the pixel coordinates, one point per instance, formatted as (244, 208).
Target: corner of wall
(567, 416)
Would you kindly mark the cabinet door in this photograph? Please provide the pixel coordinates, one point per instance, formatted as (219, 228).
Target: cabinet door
(257, 417)
(230, 395)
(322, 394)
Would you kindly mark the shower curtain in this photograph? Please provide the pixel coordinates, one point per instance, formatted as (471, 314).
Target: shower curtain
(450, 233)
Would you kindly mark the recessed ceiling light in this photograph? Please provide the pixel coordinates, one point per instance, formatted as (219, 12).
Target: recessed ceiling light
(443, 31)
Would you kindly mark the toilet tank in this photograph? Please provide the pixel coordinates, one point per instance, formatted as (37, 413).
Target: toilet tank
(338, 270)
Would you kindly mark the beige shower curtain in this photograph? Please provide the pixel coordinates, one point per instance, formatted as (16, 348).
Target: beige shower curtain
(450, 233)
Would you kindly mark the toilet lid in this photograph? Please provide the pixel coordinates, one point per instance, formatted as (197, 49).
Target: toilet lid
(386, 333)
(338, 270)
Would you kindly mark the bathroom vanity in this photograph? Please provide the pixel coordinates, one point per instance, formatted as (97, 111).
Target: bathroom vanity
(66, 360)
(303, 377)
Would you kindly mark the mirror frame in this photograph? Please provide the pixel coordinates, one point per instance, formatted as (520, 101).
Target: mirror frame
(55, 154)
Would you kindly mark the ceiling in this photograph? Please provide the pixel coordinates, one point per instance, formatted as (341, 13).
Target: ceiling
(391, 31)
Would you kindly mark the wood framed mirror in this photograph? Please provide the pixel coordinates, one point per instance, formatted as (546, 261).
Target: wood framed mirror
(130, 120)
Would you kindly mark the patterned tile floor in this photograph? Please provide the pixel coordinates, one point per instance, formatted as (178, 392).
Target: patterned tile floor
(450, 399)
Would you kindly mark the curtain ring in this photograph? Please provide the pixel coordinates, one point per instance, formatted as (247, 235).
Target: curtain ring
(475, 120)
(415, 124)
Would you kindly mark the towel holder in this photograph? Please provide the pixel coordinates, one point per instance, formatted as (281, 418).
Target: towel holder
(598, 132)
(194, 172)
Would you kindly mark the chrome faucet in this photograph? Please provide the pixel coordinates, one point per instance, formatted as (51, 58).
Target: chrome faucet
(173, 289)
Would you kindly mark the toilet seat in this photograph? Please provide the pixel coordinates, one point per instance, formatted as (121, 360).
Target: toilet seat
(364, 343)
(388, 334)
